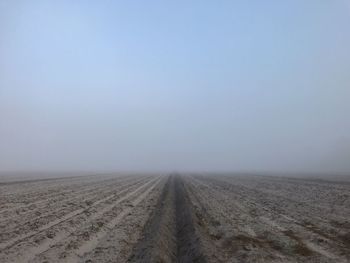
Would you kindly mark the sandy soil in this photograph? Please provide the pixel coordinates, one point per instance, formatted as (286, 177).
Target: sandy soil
(174, 218)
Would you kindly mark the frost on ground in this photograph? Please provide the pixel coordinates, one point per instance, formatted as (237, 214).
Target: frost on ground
(174, 218)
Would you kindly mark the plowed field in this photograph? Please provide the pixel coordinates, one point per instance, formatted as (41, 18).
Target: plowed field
(174, 218)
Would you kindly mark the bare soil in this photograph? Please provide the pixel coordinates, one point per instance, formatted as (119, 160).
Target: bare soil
(174, 218)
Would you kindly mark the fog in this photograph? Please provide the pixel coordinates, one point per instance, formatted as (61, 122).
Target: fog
(241, 86)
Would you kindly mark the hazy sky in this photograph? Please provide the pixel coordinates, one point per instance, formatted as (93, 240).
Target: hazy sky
(175, 85)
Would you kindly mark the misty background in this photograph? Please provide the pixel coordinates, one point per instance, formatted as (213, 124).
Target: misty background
(175, 85)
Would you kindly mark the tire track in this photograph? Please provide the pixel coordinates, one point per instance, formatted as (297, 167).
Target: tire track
(52, 207)
(90, 245)
(44, 195)
(14, 241)
(303, 245)
(29, 193)
(58, 193)
(37, 223)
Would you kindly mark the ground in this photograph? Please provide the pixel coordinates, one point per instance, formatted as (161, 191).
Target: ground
(174, 218)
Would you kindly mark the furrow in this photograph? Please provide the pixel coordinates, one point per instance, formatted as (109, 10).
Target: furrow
(65, 218)
(91, 243)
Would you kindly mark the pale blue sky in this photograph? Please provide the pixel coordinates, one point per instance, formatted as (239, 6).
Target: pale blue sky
(175, 85)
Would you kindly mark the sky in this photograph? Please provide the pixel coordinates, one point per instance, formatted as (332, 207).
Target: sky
(241, 86)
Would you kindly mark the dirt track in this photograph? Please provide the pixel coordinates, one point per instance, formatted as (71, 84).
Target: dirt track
(174, 218)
